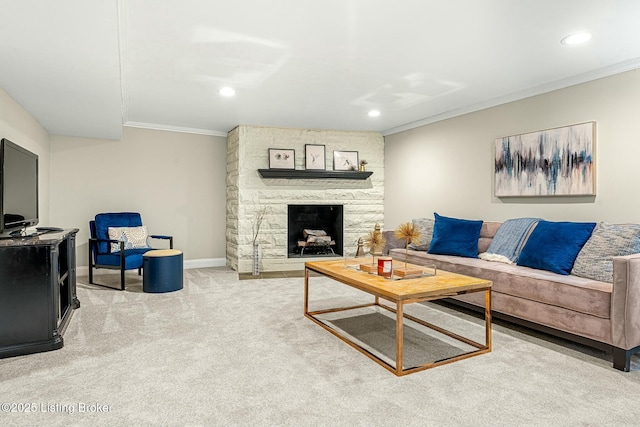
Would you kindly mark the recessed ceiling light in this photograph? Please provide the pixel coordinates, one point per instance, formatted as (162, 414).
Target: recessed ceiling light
(576, 38)
(373, 113)
(227, 91)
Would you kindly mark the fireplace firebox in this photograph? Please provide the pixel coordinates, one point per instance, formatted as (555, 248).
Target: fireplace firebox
(315, 230)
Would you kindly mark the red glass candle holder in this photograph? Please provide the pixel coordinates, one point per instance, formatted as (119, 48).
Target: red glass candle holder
(385, 266)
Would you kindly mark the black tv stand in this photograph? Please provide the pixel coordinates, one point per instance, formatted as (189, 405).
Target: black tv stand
(37, 291)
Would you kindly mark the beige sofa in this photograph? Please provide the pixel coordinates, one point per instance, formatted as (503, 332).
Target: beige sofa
(599, 314)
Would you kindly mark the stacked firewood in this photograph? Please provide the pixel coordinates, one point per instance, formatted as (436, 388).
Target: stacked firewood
(315, 238)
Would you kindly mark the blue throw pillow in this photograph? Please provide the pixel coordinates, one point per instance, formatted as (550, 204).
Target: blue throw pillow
(554, 246)
(453, 236)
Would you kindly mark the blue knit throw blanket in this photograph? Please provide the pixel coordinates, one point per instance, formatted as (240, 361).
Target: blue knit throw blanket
(511, 236)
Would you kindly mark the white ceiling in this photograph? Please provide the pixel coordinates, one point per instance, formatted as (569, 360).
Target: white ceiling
(86, 67)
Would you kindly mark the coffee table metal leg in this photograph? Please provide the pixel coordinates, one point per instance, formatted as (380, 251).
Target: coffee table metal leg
(487, 318)
(399, 336)
(306, 290)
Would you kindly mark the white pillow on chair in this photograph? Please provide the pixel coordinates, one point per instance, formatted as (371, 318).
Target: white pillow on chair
(133, 237)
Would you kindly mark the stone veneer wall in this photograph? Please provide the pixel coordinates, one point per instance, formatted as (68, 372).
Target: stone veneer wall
(247, 192)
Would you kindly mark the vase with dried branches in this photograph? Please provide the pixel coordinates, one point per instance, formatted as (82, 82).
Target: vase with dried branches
(257, 222)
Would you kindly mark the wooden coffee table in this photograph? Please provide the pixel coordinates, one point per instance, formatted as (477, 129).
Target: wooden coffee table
(401, 292)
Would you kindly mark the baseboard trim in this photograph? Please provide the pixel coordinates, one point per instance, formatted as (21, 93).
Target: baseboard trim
(205, 262)
(83, 270)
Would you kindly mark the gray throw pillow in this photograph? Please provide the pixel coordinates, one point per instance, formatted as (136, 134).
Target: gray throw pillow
(425, 226)
(595, 260)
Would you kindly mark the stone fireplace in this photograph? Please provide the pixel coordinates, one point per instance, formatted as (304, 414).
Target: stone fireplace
(361, 201)
(324, 218)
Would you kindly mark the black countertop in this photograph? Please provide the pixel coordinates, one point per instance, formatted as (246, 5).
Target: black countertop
(37, 238)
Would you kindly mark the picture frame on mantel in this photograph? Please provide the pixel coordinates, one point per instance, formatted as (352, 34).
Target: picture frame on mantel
(282, 158)
(314, 157)
(345, 161)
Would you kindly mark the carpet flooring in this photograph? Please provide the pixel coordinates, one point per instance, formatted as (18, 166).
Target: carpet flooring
(230, 352)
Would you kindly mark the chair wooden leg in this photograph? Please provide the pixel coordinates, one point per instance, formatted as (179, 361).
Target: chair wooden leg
(122, 278)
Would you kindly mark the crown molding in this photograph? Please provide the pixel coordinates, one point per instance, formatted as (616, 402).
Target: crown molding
(168, 128)
(520, 95)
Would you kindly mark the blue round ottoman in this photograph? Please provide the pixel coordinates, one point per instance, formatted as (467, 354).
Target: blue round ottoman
(162, 270)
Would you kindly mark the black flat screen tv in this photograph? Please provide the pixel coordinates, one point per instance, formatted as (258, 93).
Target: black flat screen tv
(18, 188)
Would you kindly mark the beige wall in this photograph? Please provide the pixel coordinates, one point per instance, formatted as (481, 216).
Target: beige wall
(175, 180)
(447, 167)
(17, 125)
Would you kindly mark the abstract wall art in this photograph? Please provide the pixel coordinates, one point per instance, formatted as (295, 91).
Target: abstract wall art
(552, 162)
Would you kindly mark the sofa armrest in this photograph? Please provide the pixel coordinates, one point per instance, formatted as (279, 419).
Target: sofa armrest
(625, 302)
(391, 242)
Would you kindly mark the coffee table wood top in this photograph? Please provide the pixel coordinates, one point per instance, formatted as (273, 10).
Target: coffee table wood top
(424, 287)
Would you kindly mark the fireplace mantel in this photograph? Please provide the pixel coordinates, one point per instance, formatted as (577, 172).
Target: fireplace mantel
(312, 174)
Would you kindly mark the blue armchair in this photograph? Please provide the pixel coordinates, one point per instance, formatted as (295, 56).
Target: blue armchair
(118, 241)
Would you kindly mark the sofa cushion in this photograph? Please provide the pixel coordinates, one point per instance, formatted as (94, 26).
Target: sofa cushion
(595, 260)
(133, 258)
(425, 226)
(554, 246)
(488, 230)
(557, 317)
(454, 236)
(509, 240)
